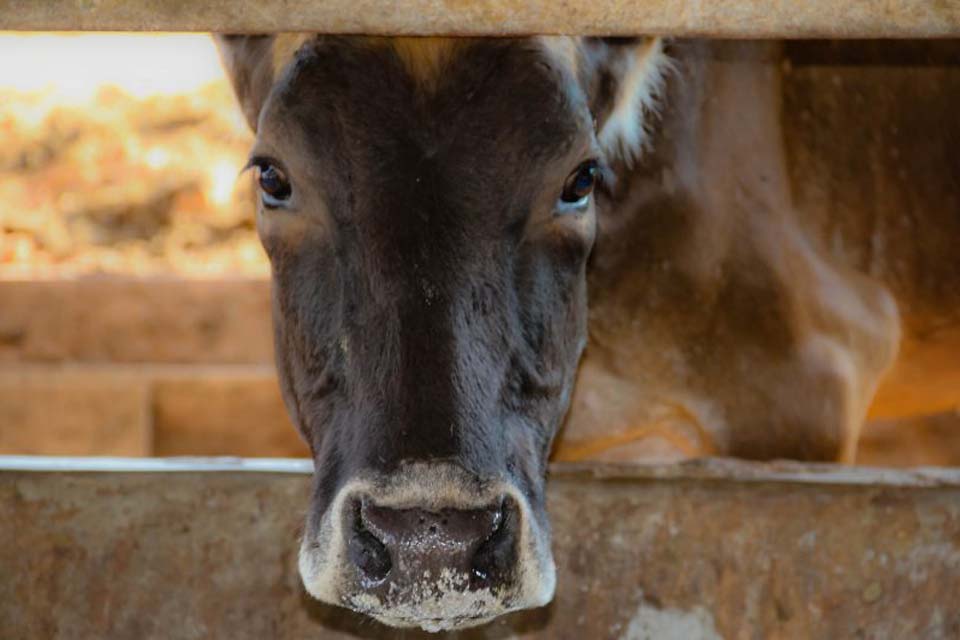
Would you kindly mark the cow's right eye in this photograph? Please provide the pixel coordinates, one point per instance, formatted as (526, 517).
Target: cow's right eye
(579, 185)
(275, 189)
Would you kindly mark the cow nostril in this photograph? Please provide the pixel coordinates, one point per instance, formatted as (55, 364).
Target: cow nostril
(497, 554)
(370, 556)
(399, 548)
(366, 551)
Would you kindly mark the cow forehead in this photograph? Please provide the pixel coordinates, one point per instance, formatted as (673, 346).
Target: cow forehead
(435, 80)
(478, 107)
(424, 57)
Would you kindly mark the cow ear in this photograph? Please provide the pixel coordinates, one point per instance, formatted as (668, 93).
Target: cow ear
(625, 80)
(254, 63)
(248, 62)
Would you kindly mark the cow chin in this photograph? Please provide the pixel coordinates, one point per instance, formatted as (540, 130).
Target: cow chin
(432, 547)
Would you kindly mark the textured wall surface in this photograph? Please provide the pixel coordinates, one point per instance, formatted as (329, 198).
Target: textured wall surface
(701, 550)
(726, 18)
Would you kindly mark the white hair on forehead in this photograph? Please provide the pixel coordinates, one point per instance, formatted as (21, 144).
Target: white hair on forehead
(424, 57)
(564, 50)
(625, 134)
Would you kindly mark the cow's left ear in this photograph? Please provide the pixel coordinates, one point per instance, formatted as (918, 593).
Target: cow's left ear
(624, 81)
(253, 63)
(249, 65)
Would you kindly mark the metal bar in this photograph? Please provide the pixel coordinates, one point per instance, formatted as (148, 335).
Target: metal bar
(716, 18)
(113, 464)
(706, 550)
(701, 469)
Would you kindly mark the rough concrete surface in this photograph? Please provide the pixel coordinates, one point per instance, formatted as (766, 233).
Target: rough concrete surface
(718, 18)
(700, 550)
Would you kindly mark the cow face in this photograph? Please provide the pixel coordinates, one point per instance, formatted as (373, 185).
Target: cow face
(427, 208)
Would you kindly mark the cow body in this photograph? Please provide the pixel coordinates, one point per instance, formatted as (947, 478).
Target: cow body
(791, 236)
(429, 210)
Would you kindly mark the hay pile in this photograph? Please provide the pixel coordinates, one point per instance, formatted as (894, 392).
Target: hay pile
(123, 183)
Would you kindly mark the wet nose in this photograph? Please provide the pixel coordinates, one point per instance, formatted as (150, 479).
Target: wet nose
(470, 548)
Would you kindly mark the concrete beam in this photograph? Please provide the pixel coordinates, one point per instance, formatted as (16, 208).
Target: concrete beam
(717, 18)
(700, 550)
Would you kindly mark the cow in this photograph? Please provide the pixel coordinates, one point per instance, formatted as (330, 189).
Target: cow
(436, 210)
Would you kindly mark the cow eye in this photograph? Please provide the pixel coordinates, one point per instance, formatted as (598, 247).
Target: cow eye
(274, 187)
(580, 184)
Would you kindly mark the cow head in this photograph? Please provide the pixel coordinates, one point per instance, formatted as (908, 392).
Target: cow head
(427, 208)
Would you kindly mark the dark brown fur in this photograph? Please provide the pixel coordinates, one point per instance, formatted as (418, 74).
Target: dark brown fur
(431, 303)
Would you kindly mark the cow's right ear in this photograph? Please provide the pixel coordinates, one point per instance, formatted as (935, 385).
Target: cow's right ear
(249, 62)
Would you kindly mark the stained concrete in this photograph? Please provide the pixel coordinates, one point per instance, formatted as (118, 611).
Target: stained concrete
(717, 18)
(701, 550)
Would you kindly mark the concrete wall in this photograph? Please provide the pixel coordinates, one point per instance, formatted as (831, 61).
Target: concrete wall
(718, 18)
(702, 550)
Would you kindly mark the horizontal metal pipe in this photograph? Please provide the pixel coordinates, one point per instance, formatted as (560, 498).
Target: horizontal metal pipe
(697, 470)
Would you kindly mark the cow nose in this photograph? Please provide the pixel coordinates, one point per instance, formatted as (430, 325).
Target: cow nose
(474, 548)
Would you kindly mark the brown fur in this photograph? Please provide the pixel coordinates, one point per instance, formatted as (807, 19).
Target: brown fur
(285, 47)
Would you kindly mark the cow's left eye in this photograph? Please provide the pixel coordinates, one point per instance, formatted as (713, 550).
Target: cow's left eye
(275, 189)
(579, 185)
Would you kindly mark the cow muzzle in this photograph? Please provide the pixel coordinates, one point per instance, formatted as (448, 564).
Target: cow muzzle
(430, 547)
